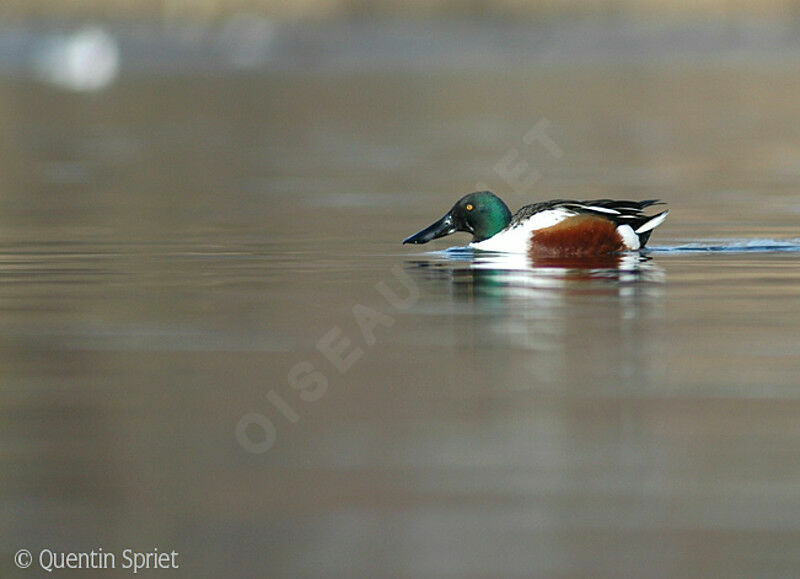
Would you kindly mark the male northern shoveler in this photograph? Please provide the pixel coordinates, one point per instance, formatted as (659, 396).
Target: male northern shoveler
(550, 228)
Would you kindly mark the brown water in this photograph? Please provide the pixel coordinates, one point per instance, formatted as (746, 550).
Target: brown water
(172, 249)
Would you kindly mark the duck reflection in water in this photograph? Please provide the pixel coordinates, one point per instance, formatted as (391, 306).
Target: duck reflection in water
(551, 305)
(478, 274)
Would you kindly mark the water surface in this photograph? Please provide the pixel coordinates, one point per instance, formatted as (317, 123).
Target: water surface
(172, 248)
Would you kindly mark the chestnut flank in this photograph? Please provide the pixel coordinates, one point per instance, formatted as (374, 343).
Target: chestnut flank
(580, 235)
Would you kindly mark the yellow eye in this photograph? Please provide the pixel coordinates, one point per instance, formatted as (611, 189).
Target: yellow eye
(469, 206)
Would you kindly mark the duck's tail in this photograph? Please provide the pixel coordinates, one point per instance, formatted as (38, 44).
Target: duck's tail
(643, 230)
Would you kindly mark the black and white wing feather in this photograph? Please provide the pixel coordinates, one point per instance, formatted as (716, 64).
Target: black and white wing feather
(620, 212)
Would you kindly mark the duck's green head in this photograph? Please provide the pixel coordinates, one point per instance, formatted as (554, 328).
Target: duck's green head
(483, 214)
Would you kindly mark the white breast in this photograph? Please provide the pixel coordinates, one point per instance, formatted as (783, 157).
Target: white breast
(517, 239)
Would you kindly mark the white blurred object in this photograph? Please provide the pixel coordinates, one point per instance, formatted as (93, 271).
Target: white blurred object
(245, 39)
(85, 61)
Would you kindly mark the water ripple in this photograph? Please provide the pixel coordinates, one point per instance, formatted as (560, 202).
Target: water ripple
(731, 246)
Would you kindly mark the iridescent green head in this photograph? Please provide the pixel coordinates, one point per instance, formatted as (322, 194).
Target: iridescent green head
(483, 214)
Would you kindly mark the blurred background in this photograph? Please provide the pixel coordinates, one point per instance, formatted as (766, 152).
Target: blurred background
(194, 192)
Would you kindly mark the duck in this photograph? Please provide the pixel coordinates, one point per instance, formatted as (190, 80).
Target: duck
(555, 228)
